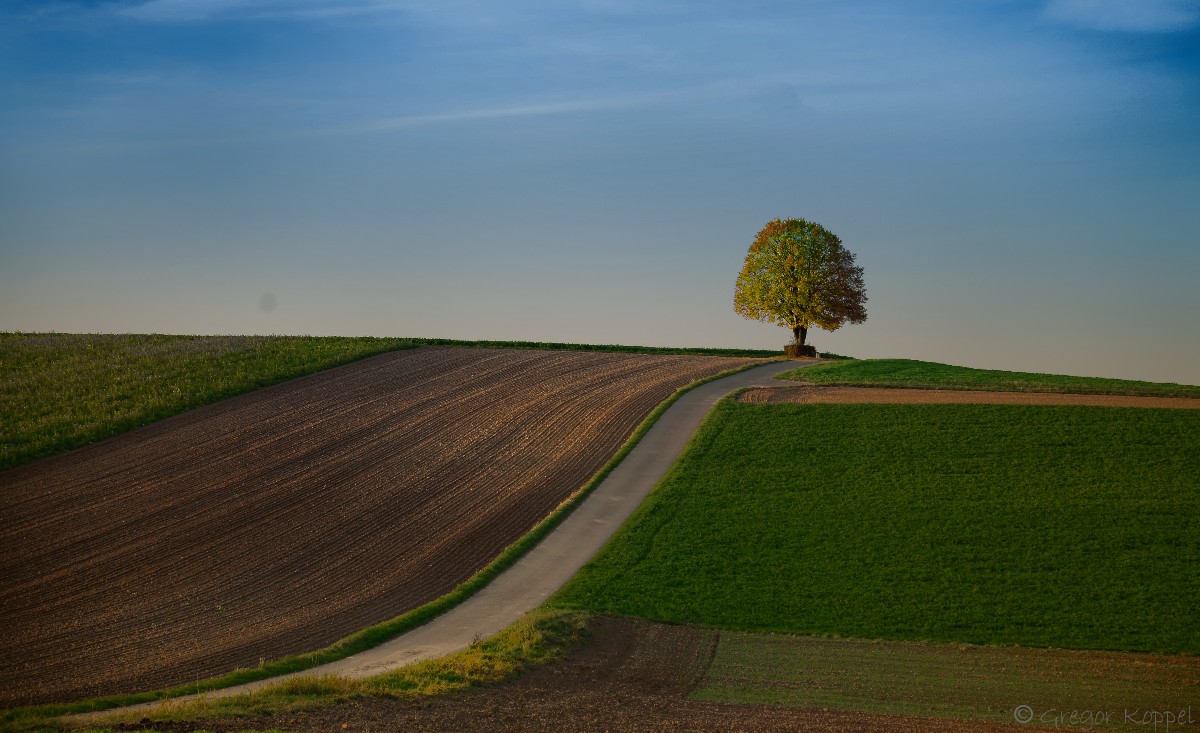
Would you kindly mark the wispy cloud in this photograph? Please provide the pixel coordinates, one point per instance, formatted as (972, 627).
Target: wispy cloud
(721, 89)
(456, 13)
(494, 113)
(1142, 16)
(188, 11)
(182, 11)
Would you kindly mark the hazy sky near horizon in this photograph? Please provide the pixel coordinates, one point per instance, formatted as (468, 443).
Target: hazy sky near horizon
(1019, 180)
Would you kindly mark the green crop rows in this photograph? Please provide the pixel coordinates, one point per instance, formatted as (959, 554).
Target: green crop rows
(1042, 526)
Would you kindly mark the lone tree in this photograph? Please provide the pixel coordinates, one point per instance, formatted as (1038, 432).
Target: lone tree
(798, 274)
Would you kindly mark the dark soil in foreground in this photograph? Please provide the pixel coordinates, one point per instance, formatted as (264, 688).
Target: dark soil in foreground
(628, 676)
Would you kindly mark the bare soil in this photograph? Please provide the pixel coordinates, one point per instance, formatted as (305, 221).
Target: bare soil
(279, 521)
(630, 675)
(890, 395)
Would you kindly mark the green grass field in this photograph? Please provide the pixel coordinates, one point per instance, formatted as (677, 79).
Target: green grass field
(930, 375)
(61, 391)
(1075, 527)
(949, 680)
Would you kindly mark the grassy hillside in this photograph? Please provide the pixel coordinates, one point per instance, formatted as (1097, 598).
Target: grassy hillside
(930, 375)
(1042, 526)
(61, 391)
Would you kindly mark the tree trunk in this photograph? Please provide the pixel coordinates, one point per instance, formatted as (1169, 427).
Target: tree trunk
(799, 333)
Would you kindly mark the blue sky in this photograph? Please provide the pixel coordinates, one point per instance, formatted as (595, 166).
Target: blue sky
(1019, 180)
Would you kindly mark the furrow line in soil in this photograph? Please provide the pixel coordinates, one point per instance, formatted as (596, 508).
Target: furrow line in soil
(279, 521)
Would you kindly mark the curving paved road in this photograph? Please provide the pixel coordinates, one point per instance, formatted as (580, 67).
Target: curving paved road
(545, 568)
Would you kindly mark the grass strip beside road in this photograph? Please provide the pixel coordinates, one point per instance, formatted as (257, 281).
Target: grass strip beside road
(539, 637)
(911, 374)
(374, 635)
(951, 680)
(62, 391)
(1071, 527)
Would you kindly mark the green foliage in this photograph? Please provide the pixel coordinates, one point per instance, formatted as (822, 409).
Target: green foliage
(1042, 526)
(797, 274)
(930, 375)
(63, 391)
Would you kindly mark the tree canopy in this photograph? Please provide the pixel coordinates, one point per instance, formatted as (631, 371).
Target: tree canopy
(797, 274)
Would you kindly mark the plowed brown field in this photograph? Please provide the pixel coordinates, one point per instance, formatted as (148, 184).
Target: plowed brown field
(282, 520)
(893, 395)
